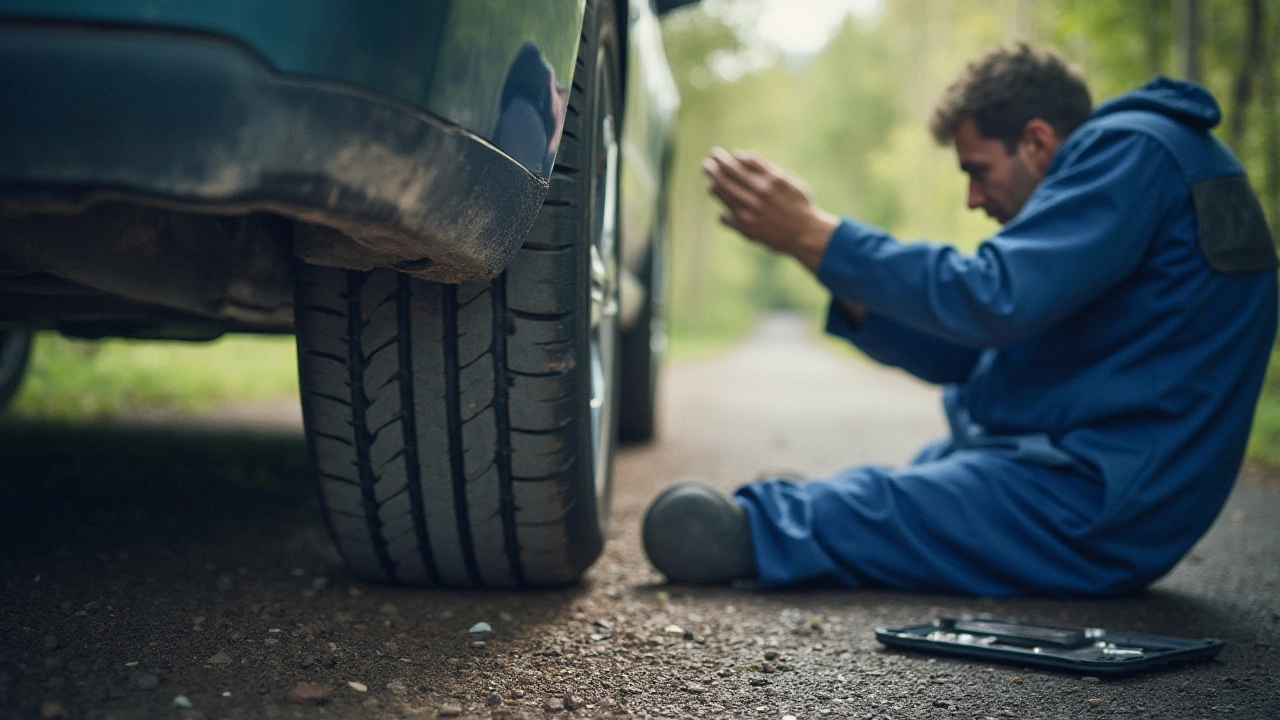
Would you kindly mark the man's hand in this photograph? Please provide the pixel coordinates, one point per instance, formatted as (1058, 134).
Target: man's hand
(769, 205)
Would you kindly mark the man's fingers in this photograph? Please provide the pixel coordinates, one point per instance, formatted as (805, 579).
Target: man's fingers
(724, 186)
(734, 169)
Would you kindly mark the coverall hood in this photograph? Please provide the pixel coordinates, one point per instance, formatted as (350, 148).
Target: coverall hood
(1180, 100)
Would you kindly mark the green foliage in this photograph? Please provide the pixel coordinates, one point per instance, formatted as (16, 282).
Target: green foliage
(1264, 442)
(78, 378)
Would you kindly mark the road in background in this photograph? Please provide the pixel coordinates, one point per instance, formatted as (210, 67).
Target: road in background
(165, 568)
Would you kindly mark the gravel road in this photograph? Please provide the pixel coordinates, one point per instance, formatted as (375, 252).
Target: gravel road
(176, 568)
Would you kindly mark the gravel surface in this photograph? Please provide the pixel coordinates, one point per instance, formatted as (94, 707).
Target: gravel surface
(166, 569)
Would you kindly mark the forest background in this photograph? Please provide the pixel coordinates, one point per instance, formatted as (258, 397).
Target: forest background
(851, 120)
(849, 117)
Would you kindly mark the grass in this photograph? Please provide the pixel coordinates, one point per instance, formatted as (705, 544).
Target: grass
(69, 379)
(1264, 442)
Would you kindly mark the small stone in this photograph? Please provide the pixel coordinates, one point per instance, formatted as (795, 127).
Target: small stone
(1017, 680)
(144, 681)
(688, 635)
(449, 710)
(694, 688)
(673, 630)
(517, 694)
(573, 702)
(769, 668)
(770, 655)
(788, 717)
(941, 703)
(553, 705)
(220, 659)
(397, 686)
(604, 624)
(306, 693)
(52, 709)
(494, 700)
(481, 627)
(759, 682)
(1091, 679)
(182, 702)
(1095, 701)
(358, 686)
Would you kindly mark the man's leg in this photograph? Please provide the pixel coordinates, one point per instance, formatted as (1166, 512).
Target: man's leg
(972, 521)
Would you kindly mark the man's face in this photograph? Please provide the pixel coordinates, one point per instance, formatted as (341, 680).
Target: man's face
(999, 182)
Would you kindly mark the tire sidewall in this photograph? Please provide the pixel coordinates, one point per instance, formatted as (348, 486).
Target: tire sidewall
(600, 23)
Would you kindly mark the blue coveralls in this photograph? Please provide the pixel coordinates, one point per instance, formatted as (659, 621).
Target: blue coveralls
(1102, 355)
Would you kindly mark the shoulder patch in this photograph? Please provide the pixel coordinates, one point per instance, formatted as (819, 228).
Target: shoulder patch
(1233, 230)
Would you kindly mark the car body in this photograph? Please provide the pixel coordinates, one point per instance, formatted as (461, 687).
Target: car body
(181, 169)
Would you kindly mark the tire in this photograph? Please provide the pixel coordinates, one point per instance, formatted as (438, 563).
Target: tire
(15, 351)
(462, 435)
(640, 356)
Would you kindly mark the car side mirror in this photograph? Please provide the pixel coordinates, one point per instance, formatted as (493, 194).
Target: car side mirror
(665, 6)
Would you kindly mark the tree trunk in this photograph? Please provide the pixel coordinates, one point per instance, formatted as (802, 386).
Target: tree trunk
(1242, 93)
(1154, 42)
(1188, 40)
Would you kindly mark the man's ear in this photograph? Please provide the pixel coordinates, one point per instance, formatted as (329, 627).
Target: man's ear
(1039, 142)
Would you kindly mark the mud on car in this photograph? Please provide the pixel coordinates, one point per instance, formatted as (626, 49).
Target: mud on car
(456, 206)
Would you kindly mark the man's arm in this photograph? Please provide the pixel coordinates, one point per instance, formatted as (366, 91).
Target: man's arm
(1084, 228)
(775, 208)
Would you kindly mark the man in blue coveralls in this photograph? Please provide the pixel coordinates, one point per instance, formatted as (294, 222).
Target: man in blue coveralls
(1101, 354)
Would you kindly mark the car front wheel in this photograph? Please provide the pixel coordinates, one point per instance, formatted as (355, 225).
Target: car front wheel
(462, 435)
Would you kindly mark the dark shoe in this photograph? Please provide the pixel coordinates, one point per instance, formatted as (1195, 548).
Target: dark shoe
(694, 534)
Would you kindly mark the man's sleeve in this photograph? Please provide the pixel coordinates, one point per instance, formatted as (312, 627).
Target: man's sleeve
(1083, 229)
(928, 357)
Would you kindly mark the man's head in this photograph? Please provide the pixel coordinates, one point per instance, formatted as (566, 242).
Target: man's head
(1006, 115)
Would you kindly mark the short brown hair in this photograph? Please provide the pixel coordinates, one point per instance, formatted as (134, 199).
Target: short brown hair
(1004, 88)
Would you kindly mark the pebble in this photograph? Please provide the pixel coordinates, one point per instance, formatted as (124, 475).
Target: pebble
(695, 688)
(1091, 679)
(1017, 680)
(182, 702)
(770, 655)
(673, 630)
(517, 694)
(449, 710)
(220, 659)
(358, 686)
(305, 693)
(144, 681)
(759, 682)
(481, 627)
(494, 700)
(553, 705)
(52, 709)
(788, 717)
(397, 686)
(941, 703)
(573, 702)
(1095, 701)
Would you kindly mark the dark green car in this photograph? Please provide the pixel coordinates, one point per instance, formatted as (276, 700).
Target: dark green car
(456, 205)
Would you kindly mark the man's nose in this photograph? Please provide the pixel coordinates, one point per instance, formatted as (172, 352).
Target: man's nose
(976, 198)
